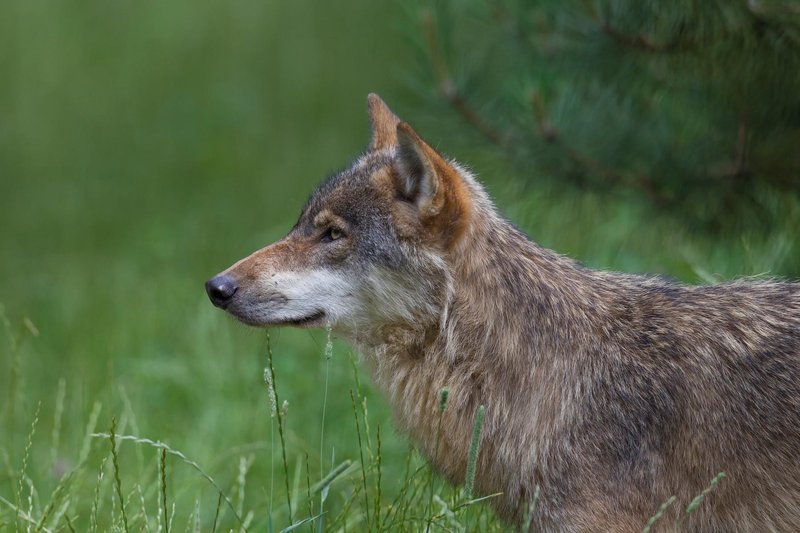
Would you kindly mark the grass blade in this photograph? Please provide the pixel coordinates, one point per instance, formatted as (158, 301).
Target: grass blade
(180, 455)
(331, 477)
(300, 523)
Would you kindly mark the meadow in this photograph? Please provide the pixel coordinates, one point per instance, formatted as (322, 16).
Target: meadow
(145, 147)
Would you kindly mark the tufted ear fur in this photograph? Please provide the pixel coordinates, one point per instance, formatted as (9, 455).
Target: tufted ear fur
(426, 180)
(418, 179)
(383, 121)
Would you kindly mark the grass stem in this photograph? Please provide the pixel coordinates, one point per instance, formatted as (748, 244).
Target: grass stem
(280, 429)
(361, 454)
(112, 437)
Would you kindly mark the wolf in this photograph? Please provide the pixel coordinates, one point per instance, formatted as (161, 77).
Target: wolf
(606, 393)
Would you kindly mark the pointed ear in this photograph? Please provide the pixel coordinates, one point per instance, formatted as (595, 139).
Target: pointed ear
(384, 123)
(425, 179)
(419, 170)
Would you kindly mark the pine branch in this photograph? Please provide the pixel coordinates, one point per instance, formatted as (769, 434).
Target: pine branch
(447, 87)
(644, 42)
(552, 136)
(639, 41)
(686, 131)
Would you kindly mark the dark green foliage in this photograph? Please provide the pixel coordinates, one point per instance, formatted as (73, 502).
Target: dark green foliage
(692, 105)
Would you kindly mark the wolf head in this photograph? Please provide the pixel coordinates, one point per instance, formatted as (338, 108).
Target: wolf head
(369, 247)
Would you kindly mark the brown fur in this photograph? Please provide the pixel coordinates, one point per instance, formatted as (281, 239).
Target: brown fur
(610, 392)
(384, 123)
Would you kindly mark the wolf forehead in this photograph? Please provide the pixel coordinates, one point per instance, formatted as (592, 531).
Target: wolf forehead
(352, 194)
(361, 196)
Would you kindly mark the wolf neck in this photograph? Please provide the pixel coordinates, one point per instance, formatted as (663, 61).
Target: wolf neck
(493, 344)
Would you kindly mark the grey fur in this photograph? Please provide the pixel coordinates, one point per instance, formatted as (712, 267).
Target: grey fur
(610, 392)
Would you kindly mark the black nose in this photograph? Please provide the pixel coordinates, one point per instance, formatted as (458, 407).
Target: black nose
(221, 289)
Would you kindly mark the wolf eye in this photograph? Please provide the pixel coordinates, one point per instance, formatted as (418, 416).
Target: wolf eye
(332, 234)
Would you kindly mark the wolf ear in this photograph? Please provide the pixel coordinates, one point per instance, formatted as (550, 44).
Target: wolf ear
(384, 123)
(425, 179)
(418, 169)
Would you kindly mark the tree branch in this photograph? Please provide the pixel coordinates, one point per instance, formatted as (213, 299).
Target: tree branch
(643, 41)
(552, 136)
(447, 87)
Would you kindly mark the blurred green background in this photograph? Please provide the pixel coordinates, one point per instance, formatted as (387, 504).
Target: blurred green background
(145, 146)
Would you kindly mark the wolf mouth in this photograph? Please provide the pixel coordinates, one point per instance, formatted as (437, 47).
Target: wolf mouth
(310, 319)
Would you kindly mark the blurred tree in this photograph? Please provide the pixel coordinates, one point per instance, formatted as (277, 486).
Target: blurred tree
(692, 104)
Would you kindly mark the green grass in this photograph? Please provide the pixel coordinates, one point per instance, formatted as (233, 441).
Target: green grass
(116, 479)
(144, 147)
